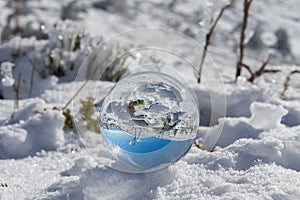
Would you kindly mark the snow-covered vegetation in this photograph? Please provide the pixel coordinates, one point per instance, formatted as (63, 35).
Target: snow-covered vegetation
(51, 55)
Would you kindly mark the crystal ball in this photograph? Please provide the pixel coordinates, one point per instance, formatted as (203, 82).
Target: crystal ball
(149, 120)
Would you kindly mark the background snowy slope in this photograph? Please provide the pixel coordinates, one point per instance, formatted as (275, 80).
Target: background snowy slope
(254, 158)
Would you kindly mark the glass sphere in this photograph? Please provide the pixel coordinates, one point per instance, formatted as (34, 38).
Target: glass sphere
(149, 120)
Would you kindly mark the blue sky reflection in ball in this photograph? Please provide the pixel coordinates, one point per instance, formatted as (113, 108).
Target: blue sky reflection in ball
(149, 120)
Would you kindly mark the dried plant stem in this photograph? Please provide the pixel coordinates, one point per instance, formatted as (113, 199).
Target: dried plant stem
(197, 144)
(32, 78)
(16, 89)
(239, 64)
(261, 70)
(287, 83)
(76, 93)
(208, 37)
(16, 14)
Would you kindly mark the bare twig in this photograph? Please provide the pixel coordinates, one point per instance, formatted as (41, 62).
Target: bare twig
(32, 77)
(239, 64)
(262, 70)
(247, 68)
(287, 83)
(213, 25)
(16, 14)
(16, 89)
(3, 185)
(197, 144)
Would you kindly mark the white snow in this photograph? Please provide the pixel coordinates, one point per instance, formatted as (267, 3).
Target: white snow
(38, 132)
(7, 78)
(51, 137)
(266, 116)
(255, 157)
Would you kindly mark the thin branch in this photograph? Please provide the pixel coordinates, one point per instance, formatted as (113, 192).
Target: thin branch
(295, 72)
(265, 63)
(208, 37)
(271, 70)
(287, 83)
(197, 144)
(247, 4)
(32, 77)
(248, 68)
(16, 15)
(16, 89)
(262, 70)
(240, 64)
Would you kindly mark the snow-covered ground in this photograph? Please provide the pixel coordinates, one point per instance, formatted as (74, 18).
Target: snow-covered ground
(256, 156)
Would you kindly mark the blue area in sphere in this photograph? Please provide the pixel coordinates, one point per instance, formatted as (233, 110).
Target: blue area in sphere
(122, 139)
(146, 154)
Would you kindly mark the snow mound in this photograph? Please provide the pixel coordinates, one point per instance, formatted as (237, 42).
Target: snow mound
(31, 106)
(12, 142)
(258, 182)
(40, 132)
(266, 116)
(45, 131)
(271, 146)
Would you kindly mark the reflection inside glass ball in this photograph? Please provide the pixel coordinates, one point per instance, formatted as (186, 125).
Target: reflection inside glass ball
(149, 120)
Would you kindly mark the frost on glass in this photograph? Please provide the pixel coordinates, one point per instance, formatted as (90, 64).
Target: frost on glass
(149, 119)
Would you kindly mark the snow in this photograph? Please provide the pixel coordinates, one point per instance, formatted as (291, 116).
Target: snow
(52, 136)
(39, 132)
(266, 116)
(256, 133)
(6, 73)
(249, 161)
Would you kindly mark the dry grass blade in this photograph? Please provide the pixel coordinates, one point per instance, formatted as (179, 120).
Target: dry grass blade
(76, 93)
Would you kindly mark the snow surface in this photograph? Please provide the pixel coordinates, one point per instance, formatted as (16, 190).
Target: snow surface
(256, 156)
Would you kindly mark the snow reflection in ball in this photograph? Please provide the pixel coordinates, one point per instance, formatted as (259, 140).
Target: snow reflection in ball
(149, 120)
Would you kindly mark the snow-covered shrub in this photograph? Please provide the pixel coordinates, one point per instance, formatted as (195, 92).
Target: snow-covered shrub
(20, 21)
(108, 63)
(68, 45)
(63, 46)
(7, 80)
